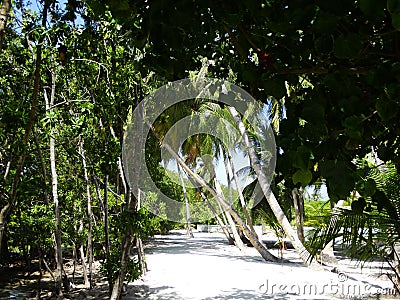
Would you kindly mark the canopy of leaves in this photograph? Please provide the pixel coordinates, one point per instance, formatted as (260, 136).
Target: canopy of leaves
(334, 65)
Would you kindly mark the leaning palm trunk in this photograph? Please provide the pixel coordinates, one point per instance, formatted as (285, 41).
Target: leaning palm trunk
(252, 238)
(269, 195)
(221, 223)
(235, 233)
(240, 192)
(189, 232)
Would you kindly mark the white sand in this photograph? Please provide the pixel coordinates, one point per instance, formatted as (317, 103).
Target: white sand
(206, 267)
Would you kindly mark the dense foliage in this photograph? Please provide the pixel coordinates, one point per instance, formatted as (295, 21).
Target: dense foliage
(72, 71)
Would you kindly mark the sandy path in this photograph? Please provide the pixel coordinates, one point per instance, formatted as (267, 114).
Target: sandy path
(206, 268)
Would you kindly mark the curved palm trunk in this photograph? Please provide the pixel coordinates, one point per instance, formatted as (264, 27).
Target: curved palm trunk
(189, 232)
(252, 238)
(240, 192)
(235, 233)
(269, 195)
(221, 223)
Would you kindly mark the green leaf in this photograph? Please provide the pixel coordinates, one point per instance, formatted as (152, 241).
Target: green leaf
(314, 113)
(374, 9)
(275, 87)
(387, 109)
(325, 22)
(324, 43)
(369, 188)
(393, 6)
(396, 20)
(348, 46)
(354, 127)
(302, 176)
(339, 177)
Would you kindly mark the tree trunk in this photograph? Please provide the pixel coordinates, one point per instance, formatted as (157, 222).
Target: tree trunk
(4, 12)
(269, 195)
(240, 192)
(298, 201)
(252, 238)
(106, 233)
(54, 185)
(126, 250)
(189, 232)
(84, 268)
(235, 233)
(220, 222)
(44, 172)
(39, 280)
(139, 243)
(89, 214)
(28, 129)
(104, 208)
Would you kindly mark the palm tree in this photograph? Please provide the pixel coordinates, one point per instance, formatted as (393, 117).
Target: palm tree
(253, 239)
(189, 232)
(232, 116)
(370, 227)
(273, 203)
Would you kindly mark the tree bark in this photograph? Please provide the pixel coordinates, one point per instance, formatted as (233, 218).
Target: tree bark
(189, 232)
(235, 233)
(83, 258)
(240, 192)
(44, 172)
(4, 12)
(269, 195)
(252, 238)
(89, 215)
(126, 250)
(298, 202)
(54, 185)
(28, 129)
(220, 222)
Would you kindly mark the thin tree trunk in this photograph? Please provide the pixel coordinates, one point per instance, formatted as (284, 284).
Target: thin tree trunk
(104, 208)
(126, 249)
(220, 222)
(298, 210)
(127, 241)
(223, 226)
(235, 233)
(84, 267)
(252, 238)
(54, 184)
(44, 172)
(139, 243)
(106, 233)
(28, 129)
(89, 214)
(240, 192)
(4, 12)
(39, 280)
(273, 203)
(189, 232)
